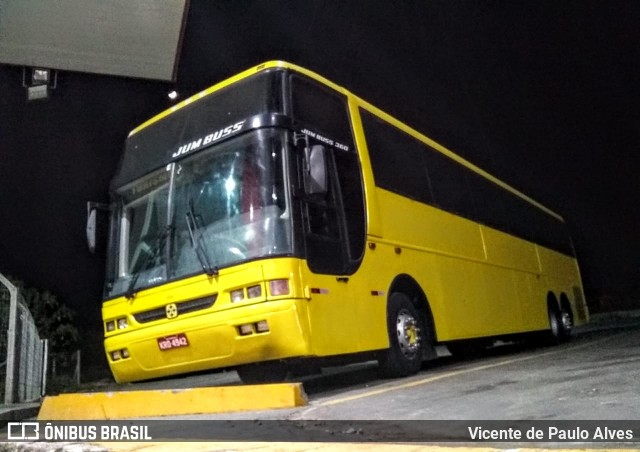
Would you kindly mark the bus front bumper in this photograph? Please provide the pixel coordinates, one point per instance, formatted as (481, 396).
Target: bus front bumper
(210, 341)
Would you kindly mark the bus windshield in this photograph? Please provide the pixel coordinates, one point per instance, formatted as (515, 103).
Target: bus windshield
(215, 208)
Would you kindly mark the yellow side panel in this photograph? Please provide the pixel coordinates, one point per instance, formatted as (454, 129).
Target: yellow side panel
(371, 284)
(343, 314)
(506, 251)
(532, 297)
(558, 266)
(483, 300)
(561, 273)
(410, 223)
(331, 308)
(463, 284)
(478, 281)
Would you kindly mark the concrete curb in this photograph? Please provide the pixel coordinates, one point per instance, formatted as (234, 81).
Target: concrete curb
(171, 402)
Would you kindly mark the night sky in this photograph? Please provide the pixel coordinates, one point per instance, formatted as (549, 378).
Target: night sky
(543, 94)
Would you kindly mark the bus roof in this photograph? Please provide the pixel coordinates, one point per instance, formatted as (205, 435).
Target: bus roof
(236, 78)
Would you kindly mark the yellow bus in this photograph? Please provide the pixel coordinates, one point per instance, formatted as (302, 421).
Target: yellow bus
(275, 221)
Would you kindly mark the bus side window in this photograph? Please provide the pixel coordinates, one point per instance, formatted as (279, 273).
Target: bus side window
(322, 219)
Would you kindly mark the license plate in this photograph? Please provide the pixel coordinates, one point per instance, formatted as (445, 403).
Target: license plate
(174, 341)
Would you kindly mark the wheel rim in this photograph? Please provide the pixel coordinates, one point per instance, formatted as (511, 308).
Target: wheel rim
(567, 322)
(408, 334)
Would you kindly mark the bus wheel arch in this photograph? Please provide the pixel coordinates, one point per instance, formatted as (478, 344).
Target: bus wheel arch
(410, 329)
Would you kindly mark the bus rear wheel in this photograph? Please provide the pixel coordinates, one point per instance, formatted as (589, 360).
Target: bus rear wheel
(560, 324)
(406, 338)
(566, 322)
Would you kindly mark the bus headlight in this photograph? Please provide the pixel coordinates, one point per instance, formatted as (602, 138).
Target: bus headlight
(237, 295)
(254, 291)
(279, 287)
(120, 324)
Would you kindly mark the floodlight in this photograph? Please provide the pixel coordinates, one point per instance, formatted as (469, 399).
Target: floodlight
(40, 76)
(37, 92)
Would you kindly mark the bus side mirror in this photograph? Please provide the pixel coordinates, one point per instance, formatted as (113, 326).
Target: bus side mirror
(315, 173)
(97, 221)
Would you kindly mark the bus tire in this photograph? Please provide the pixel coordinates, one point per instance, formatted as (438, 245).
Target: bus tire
(406, 338)
(566, 321)
(263, 372)
(560, 324)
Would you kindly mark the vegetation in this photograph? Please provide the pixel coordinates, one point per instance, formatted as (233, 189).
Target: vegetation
(55, 322)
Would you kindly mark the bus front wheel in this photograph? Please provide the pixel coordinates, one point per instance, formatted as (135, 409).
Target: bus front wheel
(406, 338)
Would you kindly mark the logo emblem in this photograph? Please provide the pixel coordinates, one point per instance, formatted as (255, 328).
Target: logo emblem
(171, 310)
(23, 431)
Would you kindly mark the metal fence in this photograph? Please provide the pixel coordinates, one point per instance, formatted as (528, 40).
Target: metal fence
(23, 355)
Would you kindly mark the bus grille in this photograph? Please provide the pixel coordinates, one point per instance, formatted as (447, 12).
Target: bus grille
(183, 308)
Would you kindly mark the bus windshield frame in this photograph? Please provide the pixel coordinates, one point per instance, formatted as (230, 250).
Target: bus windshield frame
(221, 206)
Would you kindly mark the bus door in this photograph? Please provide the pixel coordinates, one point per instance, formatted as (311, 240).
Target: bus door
(333, 229)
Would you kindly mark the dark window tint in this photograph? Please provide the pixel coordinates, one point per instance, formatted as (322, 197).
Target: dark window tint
(350, 181)
(407, 166)
(321, 109)
(153, 147)
(324, 231)
(507, 212)
(495, 205)
(449, 183)
(397, 159)
(335, 220)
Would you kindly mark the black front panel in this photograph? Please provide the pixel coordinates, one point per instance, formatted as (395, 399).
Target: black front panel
(212, 119)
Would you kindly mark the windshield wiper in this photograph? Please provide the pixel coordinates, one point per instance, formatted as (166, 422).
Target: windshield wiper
(196, 241)
(159, 242)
